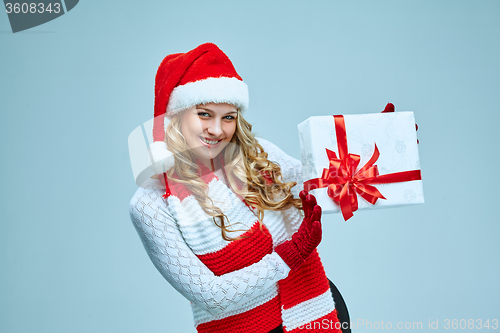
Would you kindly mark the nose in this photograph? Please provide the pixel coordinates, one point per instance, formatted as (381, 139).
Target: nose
(214, 128)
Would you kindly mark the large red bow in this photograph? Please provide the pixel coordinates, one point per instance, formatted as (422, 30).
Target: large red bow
(343, 181)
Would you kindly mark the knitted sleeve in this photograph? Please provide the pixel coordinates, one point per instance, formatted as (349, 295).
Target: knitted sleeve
(177, 263)
(291, 168)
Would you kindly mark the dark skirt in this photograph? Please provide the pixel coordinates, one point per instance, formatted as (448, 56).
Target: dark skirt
(340, 306)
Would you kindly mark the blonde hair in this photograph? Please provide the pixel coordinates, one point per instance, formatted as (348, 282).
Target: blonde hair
(245, 161)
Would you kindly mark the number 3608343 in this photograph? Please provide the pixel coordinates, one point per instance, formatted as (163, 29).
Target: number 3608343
(32, 8)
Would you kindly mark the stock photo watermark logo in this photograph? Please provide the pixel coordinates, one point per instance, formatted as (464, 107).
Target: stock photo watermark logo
(26, 14)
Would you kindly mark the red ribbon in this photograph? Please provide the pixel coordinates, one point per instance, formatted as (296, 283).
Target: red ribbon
(343, 181)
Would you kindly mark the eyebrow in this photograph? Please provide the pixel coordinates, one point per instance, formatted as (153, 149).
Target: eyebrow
(207, 109)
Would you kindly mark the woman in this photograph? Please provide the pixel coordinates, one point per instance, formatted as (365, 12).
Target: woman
(225, 224)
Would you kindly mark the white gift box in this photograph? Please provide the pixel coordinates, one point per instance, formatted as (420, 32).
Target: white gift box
(395, 137)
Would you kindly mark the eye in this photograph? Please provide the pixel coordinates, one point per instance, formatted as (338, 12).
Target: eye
(229, 117)
(203, 114)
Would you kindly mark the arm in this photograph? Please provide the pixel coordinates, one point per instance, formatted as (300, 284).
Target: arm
(296, 250)
(185, 272)
(291, 168)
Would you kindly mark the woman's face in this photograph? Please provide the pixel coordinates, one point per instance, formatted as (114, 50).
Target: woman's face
(208, 128)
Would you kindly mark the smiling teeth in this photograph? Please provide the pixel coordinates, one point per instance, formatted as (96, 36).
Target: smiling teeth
(209, 142)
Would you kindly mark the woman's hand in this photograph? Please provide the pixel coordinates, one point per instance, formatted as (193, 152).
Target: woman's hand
(296, 250)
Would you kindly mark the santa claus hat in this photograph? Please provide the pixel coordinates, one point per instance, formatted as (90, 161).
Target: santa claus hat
(200, 76)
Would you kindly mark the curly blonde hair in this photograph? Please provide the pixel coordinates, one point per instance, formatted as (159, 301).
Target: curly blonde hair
(245, 161)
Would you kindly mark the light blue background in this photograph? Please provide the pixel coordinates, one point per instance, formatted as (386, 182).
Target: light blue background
(73, 89)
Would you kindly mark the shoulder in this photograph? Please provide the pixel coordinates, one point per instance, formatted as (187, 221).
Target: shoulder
(148, 203)
(276, 154)
(271, 149)
(291, 168)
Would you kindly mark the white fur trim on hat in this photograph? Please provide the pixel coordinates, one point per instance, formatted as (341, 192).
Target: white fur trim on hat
(212, 90)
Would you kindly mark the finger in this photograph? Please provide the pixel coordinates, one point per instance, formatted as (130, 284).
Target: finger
(315, 217)
(309, 206)
(305, 207)
(316, 233)
(303, 194)
(389, 108)
(316, 214)
(311, 199)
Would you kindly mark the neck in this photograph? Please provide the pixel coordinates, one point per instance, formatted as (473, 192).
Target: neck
(212, 164)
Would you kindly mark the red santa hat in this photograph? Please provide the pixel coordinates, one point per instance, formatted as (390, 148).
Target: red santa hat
(200, 76)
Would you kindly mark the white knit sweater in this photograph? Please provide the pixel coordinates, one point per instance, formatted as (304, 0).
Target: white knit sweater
(175, 231)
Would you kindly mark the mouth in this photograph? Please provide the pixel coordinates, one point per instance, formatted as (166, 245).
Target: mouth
(210, 143)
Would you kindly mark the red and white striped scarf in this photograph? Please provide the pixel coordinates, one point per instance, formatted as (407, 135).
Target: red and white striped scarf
(304, 301)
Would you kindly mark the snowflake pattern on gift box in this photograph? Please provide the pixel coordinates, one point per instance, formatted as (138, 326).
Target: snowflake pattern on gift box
(400, 147)
(383, 170)
(306, 157)
(308, 162)
(390, 116)
(409, 195)
(333, 136)
(367, 149)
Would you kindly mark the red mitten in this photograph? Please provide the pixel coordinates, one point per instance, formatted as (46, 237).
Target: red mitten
(296, 250)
